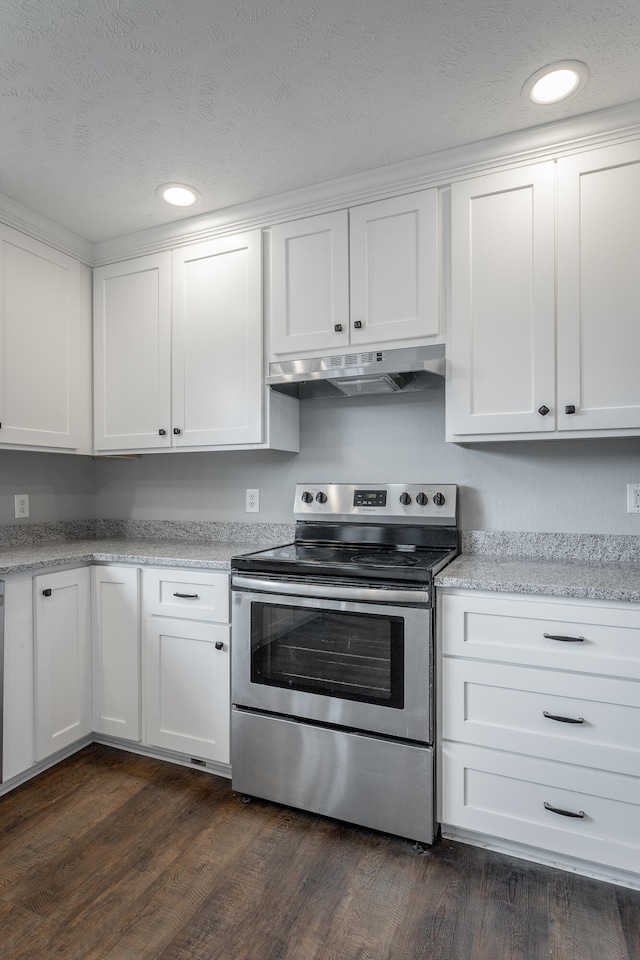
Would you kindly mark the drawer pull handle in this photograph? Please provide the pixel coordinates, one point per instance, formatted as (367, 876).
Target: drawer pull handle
(187, 596)
(555, 636)
(580, 815)
(553, 716)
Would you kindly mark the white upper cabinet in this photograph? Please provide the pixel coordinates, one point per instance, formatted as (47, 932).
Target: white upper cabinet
(310, 284)
(132, 353)
(367, 277)
(520, 363)
(178, 352)
(599, 289)
(217, 342)
(45, 333)
(501, 339)
(394, 269)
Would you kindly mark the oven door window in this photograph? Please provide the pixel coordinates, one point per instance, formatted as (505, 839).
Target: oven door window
(350, 656)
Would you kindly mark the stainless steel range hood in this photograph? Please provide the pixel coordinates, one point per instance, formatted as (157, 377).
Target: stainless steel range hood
(360, 374)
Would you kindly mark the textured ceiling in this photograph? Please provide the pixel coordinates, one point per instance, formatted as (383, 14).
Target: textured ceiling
(103, 100)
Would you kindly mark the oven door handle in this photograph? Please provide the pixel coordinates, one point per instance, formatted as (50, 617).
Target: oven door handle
(332, 591)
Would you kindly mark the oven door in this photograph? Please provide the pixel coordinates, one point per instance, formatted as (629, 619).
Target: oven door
(350, 662)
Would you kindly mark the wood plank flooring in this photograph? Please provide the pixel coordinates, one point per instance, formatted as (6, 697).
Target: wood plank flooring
(110, 856)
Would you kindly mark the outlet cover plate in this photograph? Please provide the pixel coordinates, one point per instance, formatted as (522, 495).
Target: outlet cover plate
(633, 498)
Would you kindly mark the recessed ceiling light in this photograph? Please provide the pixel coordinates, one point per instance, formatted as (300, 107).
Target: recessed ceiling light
(557, 81)
(178, 194)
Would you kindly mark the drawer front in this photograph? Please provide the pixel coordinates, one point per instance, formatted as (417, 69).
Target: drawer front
(504, 795)
(561, 636)
(187, 594)
(530, 711)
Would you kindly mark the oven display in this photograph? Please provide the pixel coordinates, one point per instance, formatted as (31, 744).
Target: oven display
(370, 498)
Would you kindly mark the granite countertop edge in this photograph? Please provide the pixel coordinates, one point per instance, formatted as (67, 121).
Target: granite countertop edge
(207, 555)
(492, 573)
(541, 577)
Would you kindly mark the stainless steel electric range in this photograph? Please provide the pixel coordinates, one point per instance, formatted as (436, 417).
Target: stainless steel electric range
(332, 656)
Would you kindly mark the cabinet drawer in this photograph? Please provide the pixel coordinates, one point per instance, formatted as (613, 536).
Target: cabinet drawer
(187, 594)
(601, 639)
(504, 707)
(504, 795)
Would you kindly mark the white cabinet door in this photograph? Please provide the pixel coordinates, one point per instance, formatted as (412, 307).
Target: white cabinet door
(62, 632)
(501, 342)
(599, 289)
(115, 607)
(132, 354)
(310, 284)
(45, 337)
(394, 269)
(187, 688)
(217, 342)
(17, 749)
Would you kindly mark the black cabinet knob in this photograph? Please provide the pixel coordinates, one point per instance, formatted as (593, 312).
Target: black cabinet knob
(570, 408)
(338, 328)
(162, 433)
(177, 431)
(358, 324)
(543, 411)
(219, 644)
(46, 593)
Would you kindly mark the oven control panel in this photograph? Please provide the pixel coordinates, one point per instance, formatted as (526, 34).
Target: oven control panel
(367, 503)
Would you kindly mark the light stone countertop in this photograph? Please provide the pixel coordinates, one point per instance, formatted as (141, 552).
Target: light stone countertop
(595, 580)
(552, 578)
(209, 555)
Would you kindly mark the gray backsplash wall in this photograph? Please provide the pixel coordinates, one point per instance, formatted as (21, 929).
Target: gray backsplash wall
(554, 486)
(563, 486)
(60, 486)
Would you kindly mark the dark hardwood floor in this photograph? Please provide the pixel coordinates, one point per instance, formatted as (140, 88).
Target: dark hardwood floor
(110, 856)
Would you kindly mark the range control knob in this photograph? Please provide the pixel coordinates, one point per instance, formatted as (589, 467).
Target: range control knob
(422, 499)
(307, 497)
(438, 499)
(321, 497)
(405, 499)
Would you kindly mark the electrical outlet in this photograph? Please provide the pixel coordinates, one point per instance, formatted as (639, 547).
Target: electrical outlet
(633, 498)
(21, 505)
(253, 501)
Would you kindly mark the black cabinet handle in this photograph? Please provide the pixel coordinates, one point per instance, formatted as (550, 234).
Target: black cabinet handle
(553, 636)
(162, 433)
(219, 645)
(553, 716)
(543, 410)
(338, 328)
(46, 593)
(570, 408)
(358, 324)
(187, 596)
(564, 813)
(177, 431)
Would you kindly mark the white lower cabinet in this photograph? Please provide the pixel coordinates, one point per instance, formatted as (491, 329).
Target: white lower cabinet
(18, 713)
(187, 662)
(539, 713)
(115, 609)
(62, 637)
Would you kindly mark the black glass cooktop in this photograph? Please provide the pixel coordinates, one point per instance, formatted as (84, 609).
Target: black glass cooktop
(347, 560)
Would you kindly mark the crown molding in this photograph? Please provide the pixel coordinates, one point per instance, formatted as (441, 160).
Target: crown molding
(438, 169)
(556, 139)
(27, 221)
